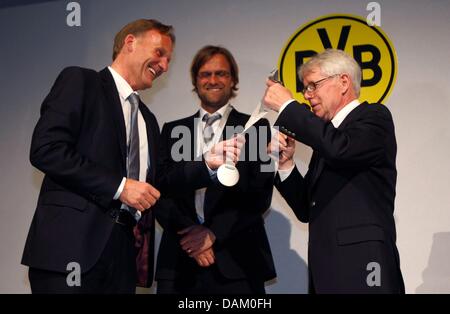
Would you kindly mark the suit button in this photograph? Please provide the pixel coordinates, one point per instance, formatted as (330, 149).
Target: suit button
(293, 134)
(114, 213)
(313, 203)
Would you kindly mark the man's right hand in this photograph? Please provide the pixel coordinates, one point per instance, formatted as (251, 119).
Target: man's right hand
(139, 195)
(225, 152)
(276, 95)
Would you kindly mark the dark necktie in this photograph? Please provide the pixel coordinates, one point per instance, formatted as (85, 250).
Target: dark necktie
(208, 132)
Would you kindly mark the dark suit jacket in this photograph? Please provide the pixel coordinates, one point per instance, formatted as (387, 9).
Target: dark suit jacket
(80, 144)
(347, 196)
(234, 214)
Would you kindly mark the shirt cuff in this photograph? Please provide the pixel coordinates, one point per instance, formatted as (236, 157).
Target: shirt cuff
(285, 105)
(120, 189)
(284, 174)
(212, 173)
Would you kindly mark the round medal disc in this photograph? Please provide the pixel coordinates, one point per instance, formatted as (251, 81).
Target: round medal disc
(228, 175)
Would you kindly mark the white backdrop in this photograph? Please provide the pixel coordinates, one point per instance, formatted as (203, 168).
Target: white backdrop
(37, 44)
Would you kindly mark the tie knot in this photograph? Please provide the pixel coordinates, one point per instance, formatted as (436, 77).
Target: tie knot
(208, 132)
(210, 119)
(134, 99)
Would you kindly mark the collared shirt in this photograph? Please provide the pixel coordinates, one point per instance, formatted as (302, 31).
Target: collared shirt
(336, 121)
(225, 112)
(343, 113)
(125, 91)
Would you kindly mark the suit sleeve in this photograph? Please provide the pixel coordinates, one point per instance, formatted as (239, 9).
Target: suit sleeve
(179, 177)
(170, 217)
(175, 179)
(54, 141)
(252, 195)
(360, 144)
(293, 190)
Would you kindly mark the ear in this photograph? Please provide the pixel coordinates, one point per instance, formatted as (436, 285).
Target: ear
(129, 43)
(345, 83)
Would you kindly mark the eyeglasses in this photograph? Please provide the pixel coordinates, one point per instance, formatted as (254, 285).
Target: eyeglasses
(311, 87)
(207, 74)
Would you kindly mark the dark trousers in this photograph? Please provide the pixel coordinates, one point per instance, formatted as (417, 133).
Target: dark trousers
(209, 280)
(114, 272)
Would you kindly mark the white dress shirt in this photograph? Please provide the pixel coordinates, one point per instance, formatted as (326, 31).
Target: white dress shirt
(125, 90)
(225, 112)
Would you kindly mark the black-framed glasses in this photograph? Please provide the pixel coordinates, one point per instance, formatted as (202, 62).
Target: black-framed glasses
(311, 87)
(209, 74)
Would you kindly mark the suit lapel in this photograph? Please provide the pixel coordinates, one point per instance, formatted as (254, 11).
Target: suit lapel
(319, 161)
(193, 127)
(315, 169)
(352, 115)
(151, 143)
(234, 119)
(112, 97)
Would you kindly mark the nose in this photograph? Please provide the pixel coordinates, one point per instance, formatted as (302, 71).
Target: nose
(164, 64)
(308, 95)
(213, 79)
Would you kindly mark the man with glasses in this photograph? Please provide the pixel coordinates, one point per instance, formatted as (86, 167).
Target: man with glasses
(214, 240)
(347, 195)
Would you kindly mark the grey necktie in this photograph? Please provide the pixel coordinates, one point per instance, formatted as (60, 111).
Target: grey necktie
(133, 144)
(208, 132)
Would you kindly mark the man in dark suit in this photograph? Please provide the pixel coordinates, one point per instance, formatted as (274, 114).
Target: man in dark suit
(347, 195)
(214, 240)
(97, 145)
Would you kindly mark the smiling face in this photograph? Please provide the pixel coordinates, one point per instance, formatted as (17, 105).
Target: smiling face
(144, 58)
(214, 83)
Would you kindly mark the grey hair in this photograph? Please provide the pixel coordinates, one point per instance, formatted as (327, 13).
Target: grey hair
(331, 62)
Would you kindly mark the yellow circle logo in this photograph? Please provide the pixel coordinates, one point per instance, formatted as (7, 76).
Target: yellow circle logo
(369, 45)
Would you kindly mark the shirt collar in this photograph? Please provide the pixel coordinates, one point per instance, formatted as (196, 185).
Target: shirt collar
(122, 85)
(221, 111)
(343, 113)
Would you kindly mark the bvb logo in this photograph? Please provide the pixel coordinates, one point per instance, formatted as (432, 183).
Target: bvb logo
(369, 45)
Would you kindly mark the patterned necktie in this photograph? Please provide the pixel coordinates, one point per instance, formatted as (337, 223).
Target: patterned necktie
(133, 144)
(208, 132)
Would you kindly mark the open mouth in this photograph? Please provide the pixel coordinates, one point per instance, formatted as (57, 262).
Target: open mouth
(214, 88)
(152, 71)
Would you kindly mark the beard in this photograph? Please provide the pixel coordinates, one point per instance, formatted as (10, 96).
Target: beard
(214, 103)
